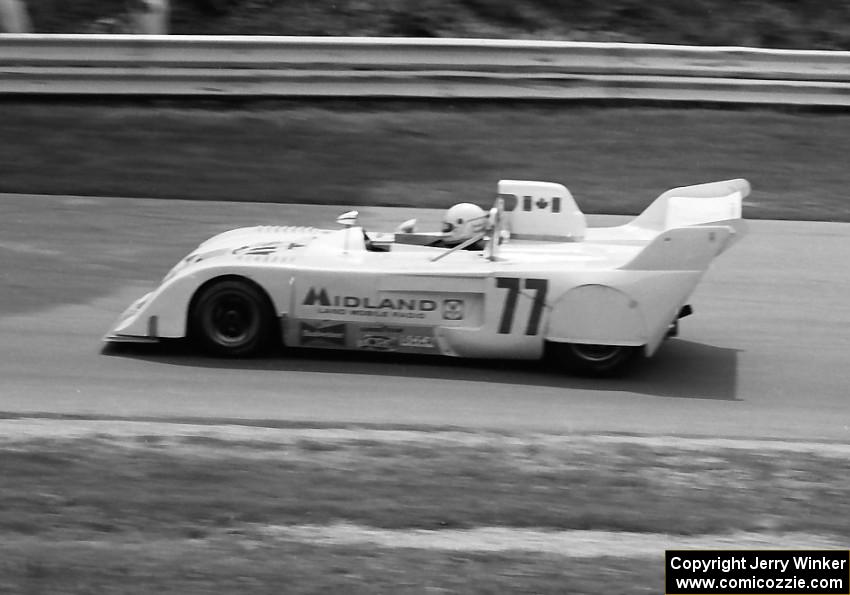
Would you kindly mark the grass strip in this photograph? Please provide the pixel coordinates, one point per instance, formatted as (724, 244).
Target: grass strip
(188, 485)
(614, 159)
(236, 565)
(137, 507)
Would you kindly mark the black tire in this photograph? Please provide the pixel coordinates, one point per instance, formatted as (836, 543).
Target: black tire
(232, 318)
(594, 360)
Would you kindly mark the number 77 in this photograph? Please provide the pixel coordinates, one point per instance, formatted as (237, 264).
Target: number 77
(539, 286)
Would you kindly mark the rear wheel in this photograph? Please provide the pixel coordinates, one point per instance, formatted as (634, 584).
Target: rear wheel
(233, 318)
(594, 360)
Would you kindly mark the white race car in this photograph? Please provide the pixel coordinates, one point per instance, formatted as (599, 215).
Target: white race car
(540, 283)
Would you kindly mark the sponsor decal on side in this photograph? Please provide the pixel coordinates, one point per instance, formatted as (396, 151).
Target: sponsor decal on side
(417, 342)
(377, 342)
(453, 309)
(356, 306)
(327, 335)
(379, 338)
(396, 338)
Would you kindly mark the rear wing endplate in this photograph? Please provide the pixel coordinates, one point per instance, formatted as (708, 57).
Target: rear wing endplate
(683, 249)
(701, 204)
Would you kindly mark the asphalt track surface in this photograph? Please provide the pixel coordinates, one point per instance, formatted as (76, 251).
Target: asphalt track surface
(766, 355)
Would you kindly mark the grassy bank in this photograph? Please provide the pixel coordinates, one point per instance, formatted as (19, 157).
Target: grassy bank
(767, 23)
(185, 487)
(236, 564)
(136, 508)
(615, 160)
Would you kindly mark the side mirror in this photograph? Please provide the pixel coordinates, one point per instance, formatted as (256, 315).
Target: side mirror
(494, 221)
(492, 218)
(348, 219)
(408, 226)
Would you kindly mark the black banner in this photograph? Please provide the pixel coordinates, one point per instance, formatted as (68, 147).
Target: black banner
(757, 572)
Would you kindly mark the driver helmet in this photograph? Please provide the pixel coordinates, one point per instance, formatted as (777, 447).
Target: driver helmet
(463, 221)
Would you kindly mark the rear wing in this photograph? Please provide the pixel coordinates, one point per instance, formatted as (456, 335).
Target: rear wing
(683, 249)
(716, 202)
(683, 229)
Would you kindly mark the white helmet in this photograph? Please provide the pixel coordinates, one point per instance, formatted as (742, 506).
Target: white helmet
(463, 221)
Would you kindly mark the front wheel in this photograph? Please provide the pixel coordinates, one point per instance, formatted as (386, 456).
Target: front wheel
(593, 360)
(232, 318)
